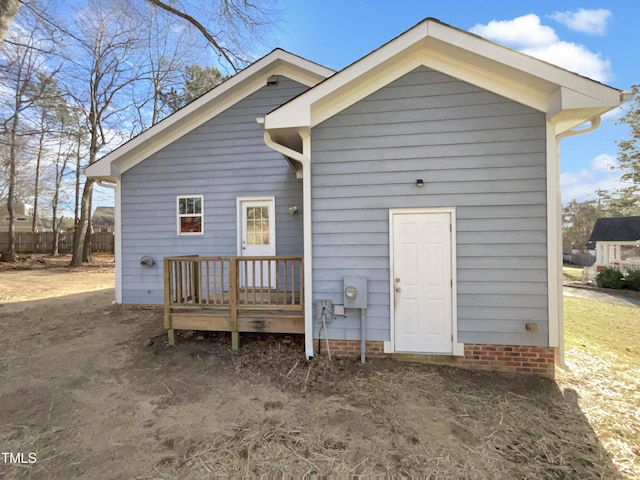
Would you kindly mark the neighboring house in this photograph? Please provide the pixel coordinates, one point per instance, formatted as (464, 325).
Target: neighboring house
(429, 167)
(22, 218)
(617, 242)
(102, 220)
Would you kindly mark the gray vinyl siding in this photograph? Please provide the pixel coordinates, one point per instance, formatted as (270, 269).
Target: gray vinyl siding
(476, 151)
(223, 159)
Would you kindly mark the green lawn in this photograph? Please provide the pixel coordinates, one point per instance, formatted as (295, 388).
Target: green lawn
(572, 274)
(602, 343)
(610, 331)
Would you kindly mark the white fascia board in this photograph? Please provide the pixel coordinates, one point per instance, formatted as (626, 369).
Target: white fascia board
(297, 113)
(534, 67)
(301, 70)
(206, 107)
(458, 53)
(365, 85)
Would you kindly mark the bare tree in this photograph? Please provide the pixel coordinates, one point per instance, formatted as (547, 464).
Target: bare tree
(23, 57)
(237, 24)
(165, 53)
(109, 72)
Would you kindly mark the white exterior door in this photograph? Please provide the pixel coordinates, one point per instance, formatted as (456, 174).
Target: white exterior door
(257, 234)
(422, 282)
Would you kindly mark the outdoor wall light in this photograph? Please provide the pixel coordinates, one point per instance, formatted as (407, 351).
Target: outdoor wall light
(420, 182)
(293, 210)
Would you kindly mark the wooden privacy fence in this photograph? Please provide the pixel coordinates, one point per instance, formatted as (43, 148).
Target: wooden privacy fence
(29, 242)
(233, 294)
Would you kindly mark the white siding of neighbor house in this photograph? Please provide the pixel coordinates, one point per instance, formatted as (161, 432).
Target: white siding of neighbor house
(476, 151)
(223, 159)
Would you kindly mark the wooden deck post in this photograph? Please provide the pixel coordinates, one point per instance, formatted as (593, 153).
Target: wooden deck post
(234, 287)
(167, 301)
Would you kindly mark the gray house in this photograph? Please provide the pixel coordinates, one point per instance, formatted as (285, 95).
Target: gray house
(419, 188)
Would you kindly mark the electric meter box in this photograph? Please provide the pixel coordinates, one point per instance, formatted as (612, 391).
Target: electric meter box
(355, 292)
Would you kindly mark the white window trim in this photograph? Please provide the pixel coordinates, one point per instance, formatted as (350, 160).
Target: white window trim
(179, 216)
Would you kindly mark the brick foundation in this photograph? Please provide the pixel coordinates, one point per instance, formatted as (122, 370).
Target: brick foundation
(510, 358)
(348, 348)
(502, 358)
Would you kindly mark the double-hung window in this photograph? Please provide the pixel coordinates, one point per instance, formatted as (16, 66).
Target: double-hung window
(190, 214)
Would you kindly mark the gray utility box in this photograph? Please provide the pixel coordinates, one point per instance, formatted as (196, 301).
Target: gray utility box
(355, 292)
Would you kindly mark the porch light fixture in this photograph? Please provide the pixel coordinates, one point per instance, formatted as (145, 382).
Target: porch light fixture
(293, 210)
(419, 182)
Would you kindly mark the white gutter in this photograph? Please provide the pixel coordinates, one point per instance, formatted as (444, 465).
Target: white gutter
(305, 161)
(595, 123)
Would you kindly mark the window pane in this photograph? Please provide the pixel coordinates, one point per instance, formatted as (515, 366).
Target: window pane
(183, 206)
(257, 225)
(190, 224)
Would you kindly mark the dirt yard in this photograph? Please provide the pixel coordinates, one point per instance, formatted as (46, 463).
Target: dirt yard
(91, 390)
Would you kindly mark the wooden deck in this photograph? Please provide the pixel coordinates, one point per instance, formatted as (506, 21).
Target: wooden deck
(233, 294)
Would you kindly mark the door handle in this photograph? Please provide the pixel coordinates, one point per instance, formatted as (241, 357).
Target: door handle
(398, 289)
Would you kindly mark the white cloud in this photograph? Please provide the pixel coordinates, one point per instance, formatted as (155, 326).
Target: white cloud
(604, 163)
(529, 35)
(521, 32)
(593, 22)
(574, 57)
(582, 185)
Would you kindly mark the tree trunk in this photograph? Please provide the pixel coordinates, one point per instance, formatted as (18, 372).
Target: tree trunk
(82, 227)
(10, 254)
(34, 220)
(86, 258)
(56, 236)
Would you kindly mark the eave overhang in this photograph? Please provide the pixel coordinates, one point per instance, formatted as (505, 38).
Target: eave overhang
(566, 98)
(279, 62)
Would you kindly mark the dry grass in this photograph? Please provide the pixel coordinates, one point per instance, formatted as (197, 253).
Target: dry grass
(105, 402)
(409, 421)
(603, 353)
(444, 423)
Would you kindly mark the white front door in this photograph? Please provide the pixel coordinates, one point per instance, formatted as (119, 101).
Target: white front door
(257, 234)
(422, 282)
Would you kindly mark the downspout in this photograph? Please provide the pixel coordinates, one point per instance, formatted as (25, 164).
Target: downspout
(304, 160)
(594, 124)
(115, 186)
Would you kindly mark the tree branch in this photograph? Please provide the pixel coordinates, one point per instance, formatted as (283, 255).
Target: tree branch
(199, 26)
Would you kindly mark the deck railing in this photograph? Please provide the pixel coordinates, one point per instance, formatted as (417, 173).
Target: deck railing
(225, 293)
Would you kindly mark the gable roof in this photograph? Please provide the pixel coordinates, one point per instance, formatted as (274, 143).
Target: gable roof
(621, 229)
(567, 99)
(220, 98)
(103, 216)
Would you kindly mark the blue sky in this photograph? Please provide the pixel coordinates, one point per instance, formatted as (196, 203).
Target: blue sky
(595, 39)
